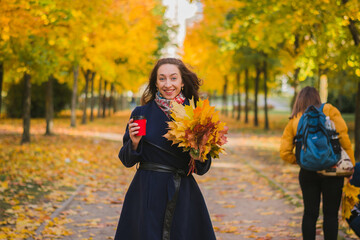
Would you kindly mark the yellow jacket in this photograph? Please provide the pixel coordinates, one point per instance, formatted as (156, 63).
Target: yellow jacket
(287, 146)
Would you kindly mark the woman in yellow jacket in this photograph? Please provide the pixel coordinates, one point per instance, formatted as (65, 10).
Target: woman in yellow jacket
(312, 184)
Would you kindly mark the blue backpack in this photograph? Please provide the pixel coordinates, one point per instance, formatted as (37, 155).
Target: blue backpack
(314, 150)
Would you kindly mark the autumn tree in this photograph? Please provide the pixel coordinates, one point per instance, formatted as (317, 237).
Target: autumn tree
(204, 49)
(41, 40)
(306, 41)
(29, 47)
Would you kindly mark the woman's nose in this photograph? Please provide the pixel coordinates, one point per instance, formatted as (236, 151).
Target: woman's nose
(167, 83)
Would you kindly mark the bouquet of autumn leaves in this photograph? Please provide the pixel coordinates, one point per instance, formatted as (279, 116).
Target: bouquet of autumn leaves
(349, 199)
(197, 129)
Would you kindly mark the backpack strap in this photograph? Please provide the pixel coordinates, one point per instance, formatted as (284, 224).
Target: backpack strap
(301, 133)
(299, 130)
(321, 107)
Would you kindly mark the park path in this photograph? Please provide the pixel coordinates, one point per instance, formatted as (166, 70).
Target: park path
(239, 191)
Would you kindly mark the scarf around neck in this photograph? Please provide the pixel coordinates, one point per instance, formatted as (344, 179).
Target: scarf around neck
(166, 104)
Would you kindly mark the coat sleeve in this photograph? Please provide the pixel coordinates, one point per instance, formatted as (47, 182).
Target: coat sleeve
(127, 155)
(342, 129)
(287, 144)
(203, 167)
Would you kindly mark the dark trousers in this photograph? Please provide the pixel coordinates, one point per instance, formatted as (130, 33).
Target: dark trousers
(313, 186)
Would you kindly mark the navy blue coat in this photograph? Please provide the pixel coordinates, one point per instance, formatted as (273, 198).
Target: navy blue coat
(142, 215)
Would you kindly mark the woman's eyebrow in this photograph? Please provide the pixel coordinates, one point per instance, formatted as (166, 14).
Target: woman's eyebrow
(165, 75)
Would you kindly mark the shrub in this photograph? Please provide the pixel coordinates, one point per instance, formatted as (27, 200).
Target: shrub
(15, 98)
(345, 104)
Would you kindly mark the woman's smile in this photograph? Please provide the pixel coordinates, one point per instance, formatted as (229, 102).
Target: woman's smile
(169, 81)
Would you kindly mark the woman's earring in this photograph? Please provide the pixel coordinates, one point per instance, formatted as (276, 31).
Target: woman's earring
(182, 88)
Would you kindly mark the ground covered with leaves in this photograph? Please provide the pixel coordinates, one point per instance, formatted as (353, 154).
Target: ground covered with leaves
(250, 192)
(36, 178)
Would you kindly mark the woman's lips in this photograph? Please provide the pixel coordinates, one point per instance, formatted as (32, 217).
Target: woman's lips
(169, 92)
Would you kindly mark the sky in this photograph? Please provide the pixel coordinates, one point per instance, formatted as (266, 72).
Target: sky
(178, 11)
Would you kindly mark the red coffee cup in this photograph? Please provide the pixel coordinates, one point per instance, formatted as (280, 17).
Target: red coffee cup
(141, 121)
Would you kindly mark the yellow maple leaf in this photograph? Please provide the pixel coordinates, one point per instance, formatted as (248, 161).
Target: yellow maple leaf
(4, 185)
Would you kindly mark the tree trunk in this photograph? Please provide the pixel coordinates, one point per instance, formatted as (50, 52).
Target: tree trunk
(356, 37)
(296, 71)
(49, 104)
(296, 86)
(115, 102)
(233, 103)
(257, 80)
(246, 95)
(104, 100)
(225, 110)
(318, 78)
(92, 100)
(354, 32)
(87, 79)
(265, 96)
(1, 83)
(74, 96)
(238, 96)
(357, 124)
(111, 100)
(26, 109)
(353, 29)
(100, 99)
(122, 101)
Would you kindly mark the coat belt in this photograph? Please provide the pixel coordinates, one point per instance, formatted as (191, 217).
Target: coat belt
(171, 204)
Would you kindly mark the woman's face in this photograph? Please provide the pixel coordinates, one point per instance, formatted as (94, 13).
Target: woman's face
(169, 81)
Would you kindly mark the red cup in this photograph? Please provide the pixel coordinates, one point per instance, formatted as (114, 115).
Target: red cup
(141, 121)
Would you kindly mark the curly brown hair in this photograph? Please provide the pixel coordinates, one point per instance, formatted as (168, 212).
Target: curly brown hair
(190, 80)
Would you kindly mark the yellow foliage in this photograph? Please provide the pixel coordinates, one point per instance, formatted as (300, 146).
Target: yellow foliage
(92, 34)
(350, 198)
(202, 52)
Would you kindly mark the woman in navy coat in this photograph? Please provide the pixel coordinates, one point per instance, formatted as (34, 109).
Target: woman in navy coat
(162, 202)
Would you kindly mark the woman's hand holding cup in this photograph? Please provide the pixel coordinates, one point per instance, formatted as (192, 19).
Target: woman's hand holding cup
(137, 129)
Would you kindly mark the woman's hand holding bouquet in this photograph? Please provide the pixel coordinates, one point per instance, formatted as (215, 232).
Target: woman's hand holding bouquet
(197, 129)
